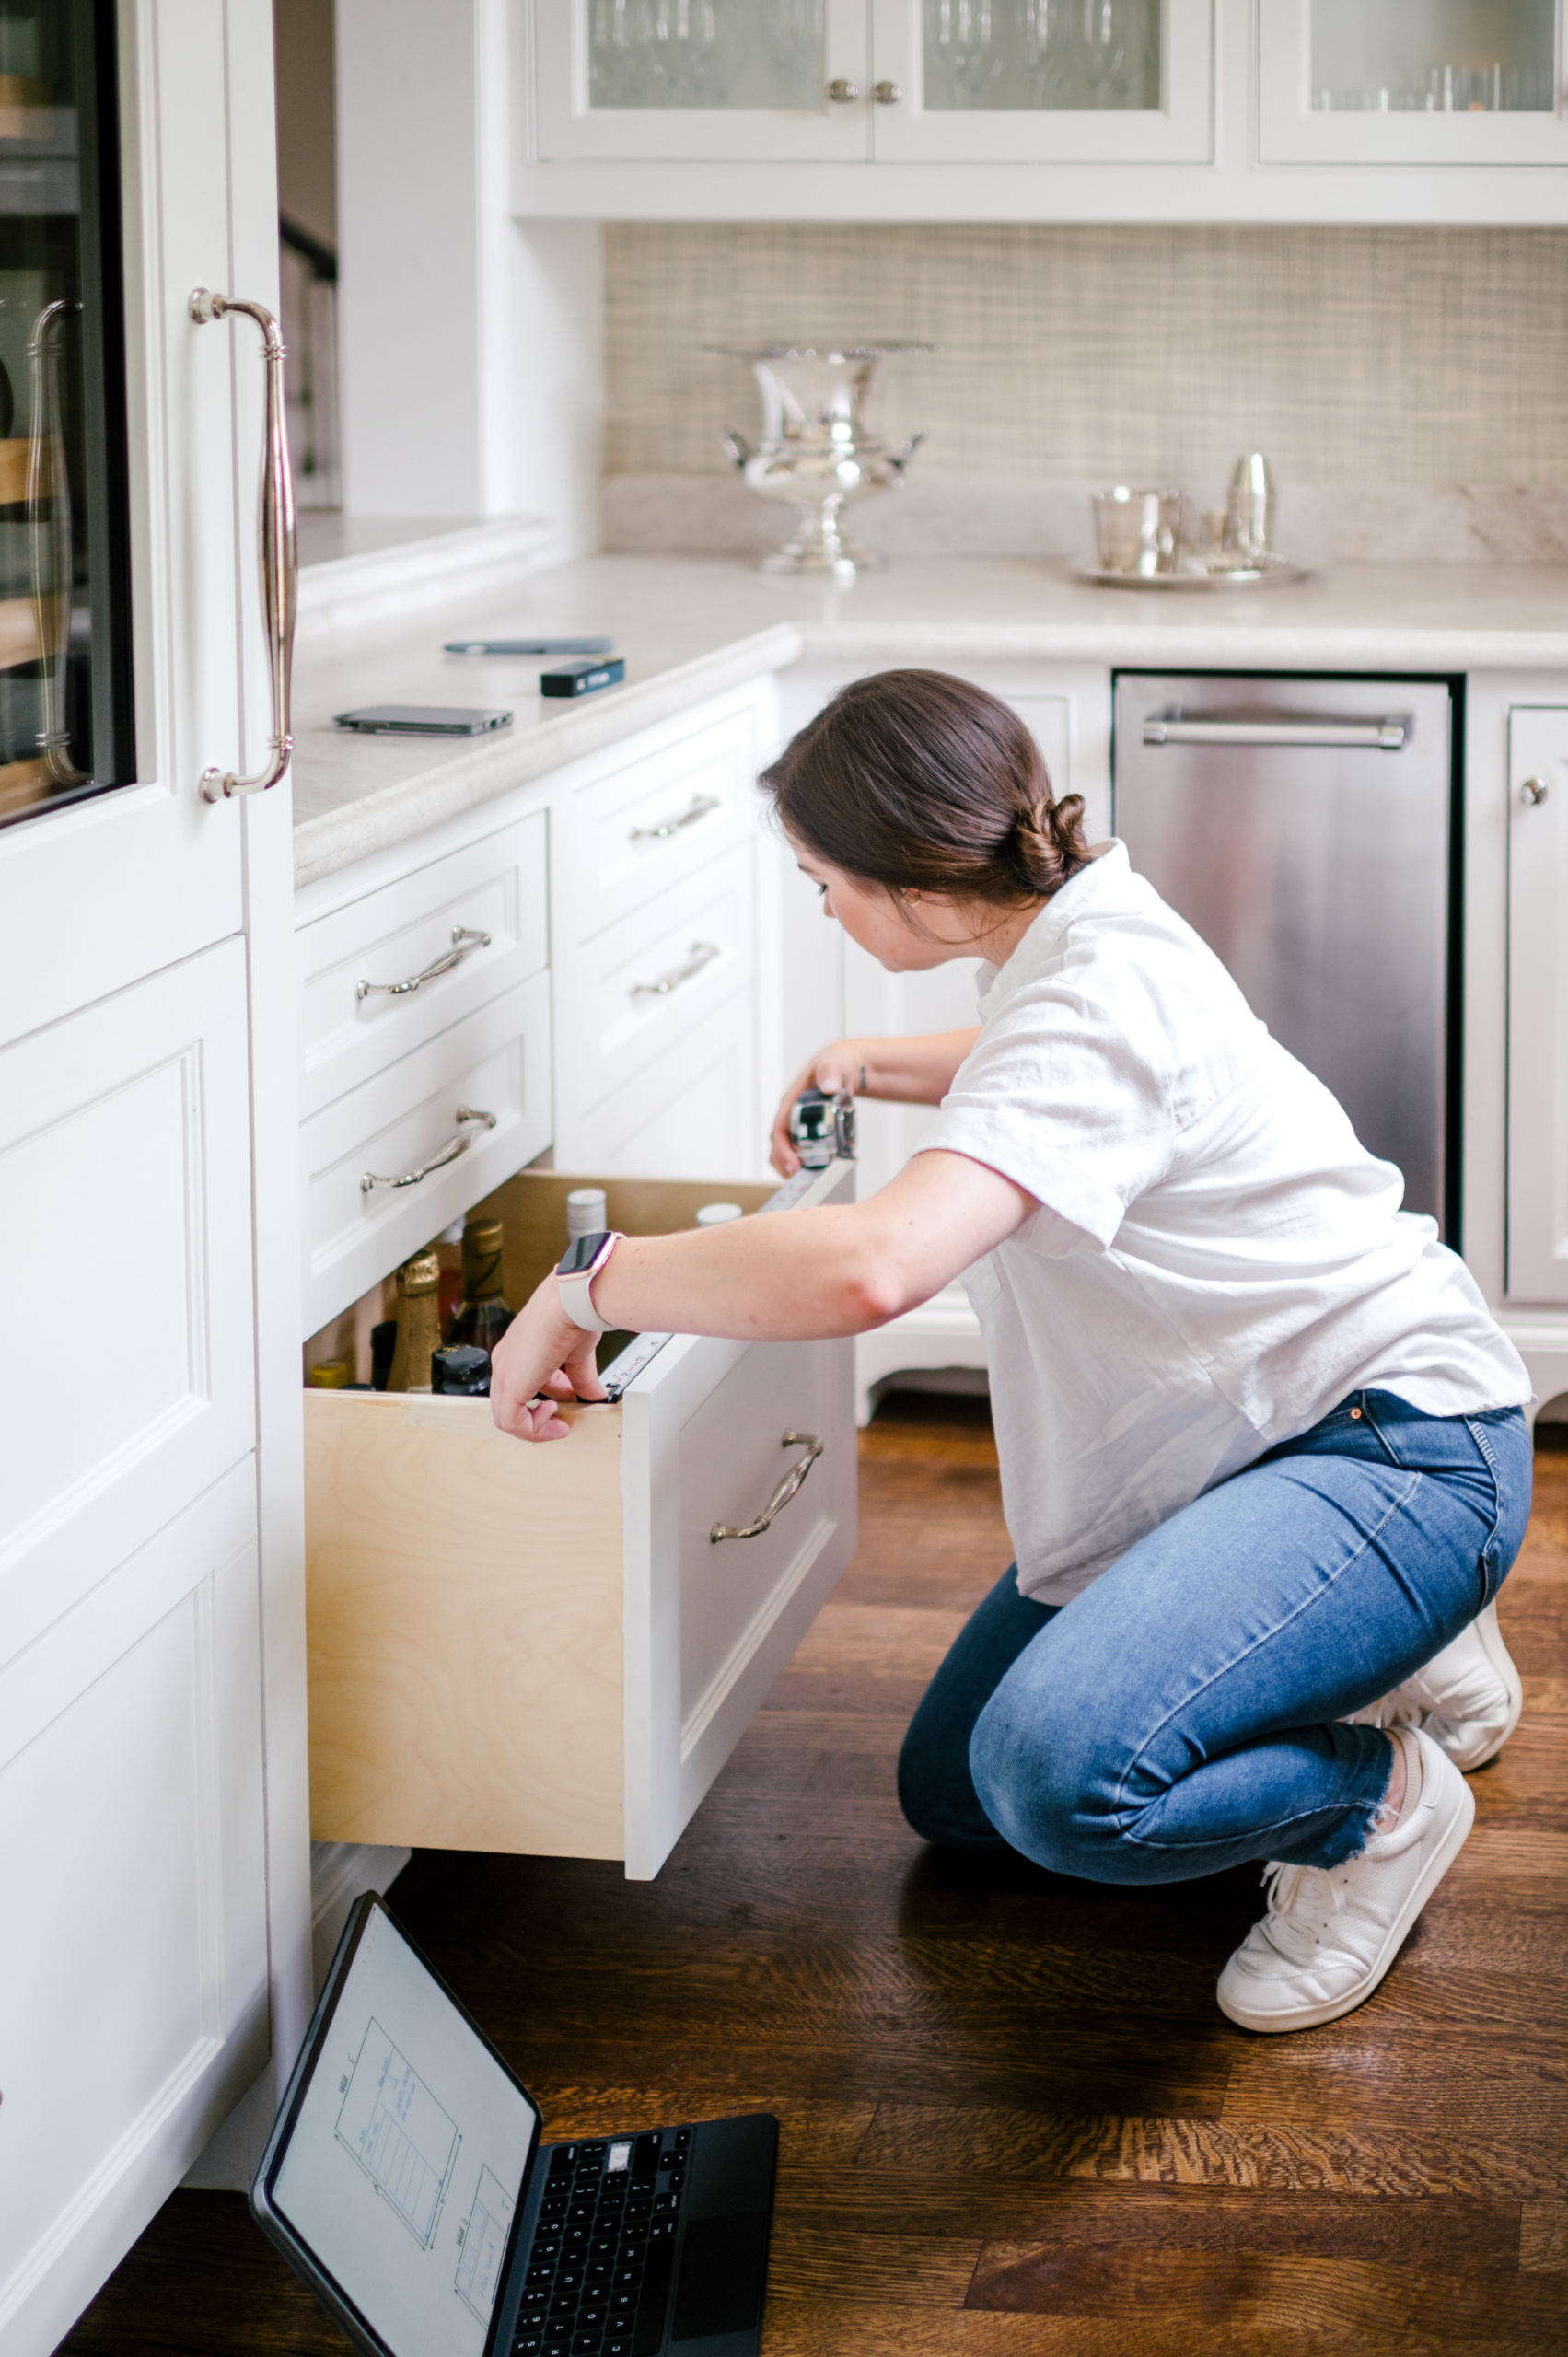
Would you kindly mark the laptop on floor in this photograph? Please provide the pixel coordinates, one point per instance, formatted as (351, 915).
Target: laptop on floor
(404, 2180)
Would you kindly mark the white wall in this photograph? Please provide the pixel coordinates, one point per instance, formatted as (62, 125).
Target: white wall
(471, 344)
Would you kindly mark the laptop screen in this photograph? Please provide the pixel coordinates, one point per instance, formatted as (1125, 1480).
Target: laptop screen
(405, 2160)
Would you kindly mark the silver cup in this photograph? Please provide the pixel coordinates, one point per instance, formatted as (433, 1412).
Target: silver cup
(1136, 530)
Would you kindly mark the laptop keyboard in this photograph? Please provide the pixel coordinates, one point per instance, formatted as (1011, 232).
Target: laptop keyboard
(597, 2282)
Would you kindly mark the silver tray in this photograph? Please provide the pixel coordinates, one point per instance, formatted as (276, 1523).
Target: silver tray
(1249, 576)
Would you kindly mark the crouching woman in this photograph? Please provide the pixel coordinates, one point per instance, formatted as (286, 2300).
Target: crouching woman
(1264, 1460)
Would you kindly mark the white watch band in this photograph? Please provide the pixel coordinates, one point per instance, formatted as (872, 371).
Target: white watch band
(577, 1291)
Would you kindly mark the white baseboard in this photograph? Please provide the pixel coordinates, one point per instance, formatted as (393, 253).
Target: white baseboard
(340, 1872)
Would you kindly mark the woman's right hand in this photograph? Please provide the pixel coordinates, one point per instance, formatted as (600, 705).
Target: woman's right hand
(831, 1069)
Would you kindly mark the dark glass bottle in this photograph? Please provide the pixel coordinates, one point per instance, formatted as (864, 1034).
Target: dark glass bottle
(458, 1367)
(482, 1315)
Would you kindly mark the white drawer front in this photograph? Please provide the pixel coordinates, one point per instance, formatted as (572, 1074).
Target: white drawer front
(654, 977)
(363, 1002)
(691, 1112)
(497, 1062)
(734, 1457)
(627, 837)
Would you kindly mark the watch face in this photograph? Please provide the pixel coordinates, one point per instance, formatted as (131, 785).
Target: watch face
(581, 1253)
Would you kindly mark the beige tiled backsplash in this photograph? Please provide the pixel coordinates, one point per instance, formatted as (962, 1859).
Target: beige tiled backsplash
(1386, 357)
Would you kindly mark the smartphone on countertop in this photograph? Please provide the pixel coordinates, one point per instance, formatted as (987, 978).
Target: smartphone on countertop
(529, 645)
(422, 720)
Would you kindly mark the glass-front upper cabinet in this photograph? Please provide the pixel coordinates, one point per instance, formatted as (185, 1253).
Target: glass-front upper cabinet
(884, 81)
(65, 720)
(1042, 81)
(702, 81)
(1412, 82)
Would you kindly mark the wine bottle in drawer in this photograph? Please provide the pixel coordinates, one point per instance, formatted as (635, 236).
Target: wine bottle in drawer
(482, 1315)
(419, 1323)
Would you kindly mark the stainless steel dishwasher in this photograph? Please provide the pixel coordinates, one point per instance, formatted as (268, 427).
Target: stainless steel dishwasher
(1302, 826)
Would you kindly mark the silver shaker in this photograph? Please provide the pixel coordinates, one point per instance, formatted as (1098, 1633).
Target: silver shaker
(1249, 506)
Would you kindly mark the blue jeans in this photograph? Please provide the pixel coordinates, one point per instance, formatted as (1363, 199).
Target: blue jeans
(1187, 1711)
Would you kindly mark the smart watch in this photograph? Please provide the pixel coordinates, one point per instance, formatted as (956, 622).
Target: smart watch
(574, 1274)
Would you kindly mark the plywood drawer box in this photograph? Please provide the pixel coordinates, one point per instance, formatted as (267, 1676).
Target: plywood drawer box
(542, 1648)
(624, 839)
(466, 1110)
(370, 979)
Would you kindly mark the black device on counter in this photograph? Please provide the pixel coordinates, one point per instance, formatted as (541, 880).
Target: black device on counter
(821, 1127)
(405, 2181)
(529, 645)
(582, 678)
(422, 720)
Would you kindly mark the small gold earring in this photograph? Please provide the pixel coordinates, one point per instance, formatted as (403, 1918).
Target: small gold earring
(908, 896)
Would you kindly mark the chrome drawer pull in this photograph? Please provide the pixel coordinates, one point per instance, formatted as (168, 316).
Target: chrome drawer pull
(1274, 728)
(465, 941)
(698, 807)
(781, 1495)
(449, 1153)
(702, 953)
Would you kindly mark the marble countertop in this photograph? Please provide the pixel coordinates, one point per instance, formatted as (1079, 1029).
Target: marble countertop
(690, 627)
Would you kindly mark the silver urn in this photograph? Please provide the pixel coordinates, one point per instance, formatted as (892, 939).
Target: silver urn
(815, 450)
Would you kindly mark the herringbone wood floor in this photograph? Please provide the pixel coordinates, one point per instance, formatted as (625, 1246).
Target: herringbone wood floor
(1013, 2122)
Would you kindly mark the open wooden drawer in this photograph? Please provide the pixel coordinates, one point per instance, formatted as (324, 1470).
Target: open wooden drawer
(543, 1648)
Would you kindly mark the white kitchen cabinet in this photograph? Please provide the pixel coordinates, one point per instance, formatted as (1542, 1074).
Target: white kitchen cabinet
(1048, 110)
(397, 1159)
(153, 1816)
(1422, 82)
(389, 969)
(134, 1973)
(545, 1648)
(696, 1108)
(1538, 1004)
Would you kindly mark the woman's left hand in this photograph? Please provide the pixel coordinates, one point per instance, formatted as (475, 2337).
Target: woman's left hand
(542, 1351)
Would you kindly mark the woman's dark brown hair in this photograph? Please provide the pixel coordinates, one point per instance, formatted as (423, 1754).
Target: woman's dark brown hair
(922, 783)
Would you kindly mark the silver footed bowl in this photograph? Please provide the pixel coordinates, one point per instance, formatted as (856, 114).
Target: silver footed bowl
(815, 450)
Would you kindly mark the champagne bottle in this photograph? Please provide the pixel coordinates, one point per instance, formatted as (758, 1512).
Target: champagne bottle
(419, 1328)
(482, 1315)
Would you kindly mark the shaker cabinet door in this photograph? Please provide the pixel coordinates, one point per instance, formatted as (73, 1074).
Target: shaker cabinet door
(133, 1969)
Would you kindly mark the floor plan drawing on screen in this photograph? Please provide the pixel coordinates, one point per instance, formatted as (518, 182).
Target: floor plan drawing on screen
(398, 2132)
(484, 2245)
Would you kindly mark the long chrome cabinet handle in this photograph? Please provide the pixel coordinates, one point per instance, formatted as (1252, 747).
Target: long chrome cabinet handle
(1269, 728)
(781, 1495)
(701, 954)
(449, 1153)
(465, 941)
(698, 807)
(280, 575)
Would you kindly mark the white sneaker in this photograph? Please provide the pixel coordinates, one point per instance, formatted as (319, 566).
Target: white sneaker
(1468, 1697)
(1331, 1932)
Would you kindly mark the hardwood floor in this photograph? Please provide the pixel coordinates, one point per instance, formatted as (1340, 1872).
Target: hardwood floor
(1015, 2122)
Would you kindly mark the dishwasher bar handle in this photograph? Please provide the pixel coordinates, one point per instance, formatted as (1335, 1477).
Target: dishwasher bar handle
(1274, 728)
